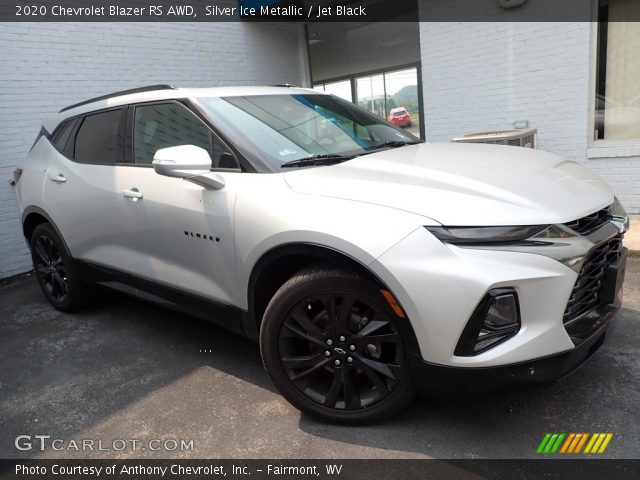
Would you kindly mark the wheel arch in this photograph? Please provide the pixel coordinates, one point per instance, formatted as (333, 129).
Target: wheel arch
(34, 216)
(277, 265)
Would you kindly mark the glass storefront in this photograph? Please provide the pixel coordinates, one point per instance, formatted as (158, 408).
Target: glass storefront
(340, 89)
(392, 95)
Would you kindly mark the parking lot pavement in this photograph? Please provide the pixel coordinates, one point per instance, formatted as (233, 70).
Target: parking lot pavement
(128, 370)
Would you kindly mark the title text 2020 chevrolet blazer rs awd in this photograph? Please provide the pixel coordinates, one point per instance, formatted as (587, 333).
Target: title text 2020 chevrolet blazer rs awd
(367, 263)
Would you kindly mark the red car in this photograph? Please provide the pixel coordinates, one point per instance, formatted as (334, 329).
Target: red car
(400, 117)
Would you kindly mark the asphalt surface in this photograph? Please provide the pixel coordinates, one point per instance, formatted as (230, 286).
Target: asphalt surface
(128, 370)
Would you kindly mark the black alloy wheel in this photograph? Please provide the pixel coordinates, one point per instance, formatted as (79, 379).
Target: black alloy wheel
(56, 271)
(335, 349)
(50, 269)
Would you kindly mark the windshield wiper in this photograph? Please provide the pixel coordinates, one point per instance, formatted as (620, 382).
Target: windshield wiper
(393, 144)
(329, 159)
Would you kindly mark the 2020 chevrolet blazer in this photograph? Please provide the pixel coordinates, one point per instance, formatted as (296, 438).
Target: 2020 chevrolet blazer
(367, 263)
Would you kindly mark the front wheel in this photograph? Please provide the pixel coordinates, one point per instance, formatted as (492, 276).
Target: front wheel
(334, 348)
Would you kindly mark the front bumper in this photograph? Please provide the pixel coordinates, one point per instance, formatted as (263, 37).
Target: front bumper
(436, 379)
(440, 285)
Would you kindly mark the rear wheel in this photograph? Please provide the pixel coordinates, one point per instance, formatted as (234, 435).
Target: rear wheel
(56, 271)
(335, 349)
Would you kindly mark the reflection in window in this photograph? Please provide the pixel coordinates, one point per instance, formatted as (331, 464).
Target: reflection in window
(166, 125)
(617, 109)
(306, 121)
(371, 94)
(283, 128)
(394, 96)
(340, 89)
(401, 89)
(99, 140)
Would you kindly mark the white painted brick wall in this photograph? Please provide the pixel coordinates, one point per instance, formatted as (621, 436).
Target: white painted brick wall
(46, 66)
(623, 174)
(485, 76)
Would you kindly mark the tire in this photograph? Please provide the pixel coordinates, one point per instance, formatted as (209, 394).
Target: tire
(56, 272)
(353, 369)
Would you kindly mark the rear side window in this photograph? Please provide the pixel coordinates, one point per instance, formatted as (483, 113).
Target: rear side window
(100, 139)
(61, 136)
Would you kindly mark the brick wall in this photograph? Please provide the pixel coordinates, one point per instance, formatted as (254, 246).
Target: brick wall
(486, 76)
(45, 66)
(621, 167)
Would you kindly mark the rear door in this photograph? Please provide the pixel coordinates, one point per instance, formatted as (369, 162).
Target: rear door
(80, 184)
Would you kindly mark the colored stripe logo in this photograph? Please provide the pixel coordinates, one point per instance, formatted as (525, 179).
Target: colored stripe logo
(574, 443)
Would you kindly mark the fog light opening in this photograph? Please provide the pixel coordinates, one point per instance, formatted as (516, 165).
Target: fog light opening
(495, 320)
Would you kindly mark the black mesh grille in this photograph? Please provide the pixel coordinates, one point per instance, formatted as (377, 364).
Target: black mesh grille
(590, 223)
(585, 295)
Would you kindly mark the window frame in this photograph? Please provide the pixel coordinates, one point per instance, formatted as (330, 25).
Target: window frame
(598, 148)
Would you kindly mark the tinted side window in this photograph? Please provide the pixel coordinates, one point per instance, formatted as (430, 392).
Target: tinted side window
(167, 125)
(171, 125)
(222, 156)
(61, 135)
(100, 139)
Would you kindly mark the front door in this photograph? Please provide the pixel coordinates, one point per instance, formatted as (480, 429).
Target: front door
(178, 233)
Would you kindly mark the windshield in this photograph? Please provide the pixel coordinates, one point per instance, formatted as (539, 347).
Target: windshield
(286, 128)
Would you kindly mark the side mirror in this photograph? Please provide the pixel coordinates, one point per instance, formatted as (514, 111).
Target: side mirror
(188, 162)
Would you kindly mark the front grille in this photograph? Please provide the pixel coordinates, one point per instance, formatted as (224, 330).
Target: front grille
(590, 223)
(585, 295)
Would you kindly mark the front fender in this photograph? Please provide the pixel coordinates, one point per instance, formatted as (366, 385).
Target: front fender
(358, 230)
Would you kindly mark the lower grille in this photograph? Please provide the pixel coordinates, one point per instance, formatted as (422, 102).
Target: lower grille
(585, 295)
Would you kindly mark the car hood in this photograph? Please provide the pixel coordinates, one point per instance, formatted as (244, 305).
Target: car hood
(463, 184)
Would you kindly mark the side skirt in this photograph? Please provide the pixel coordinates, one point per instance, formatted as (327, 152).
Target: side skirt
(206, 309)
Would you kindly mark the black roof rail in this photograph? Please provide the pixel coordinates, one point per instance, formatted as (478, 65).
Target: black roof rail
(150, 88)
(286, 85)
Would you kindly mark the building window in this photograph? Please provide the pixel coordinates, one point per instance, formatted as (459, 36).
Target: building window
(340, 89)
(392, 95)
(617, 109)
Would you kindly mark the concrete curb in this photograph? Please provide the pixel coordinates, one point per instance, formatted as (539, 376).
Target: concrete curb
(632, 237)
(16, 279)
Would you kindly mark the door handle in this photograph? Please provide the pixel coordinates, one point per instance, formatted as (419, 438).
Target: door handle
(133, 193)
(57, 177)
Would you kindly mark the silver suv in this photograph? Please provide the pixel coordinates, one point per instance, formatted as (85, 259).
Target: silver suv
(366, 262)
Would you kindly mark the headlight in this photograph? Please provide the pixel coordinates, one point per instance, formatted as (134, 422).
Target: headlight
(618, 216)
(485, 235)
